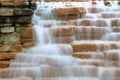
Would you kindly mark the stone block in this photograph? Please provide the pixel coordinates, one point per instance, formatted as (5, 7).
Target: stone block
(62, 39)
(115, 22)
(88, 55)
(78, 71)
(4, 48)
(7, 56)
(93, 62)
(115, 36)
(22, 41)
(6, 12)
(16, 48)
(62, 32)
(93, 30)
(69, 11)
(81, 46)
(110, 14)
(61, 23)
(95, 10)
(108, 72)
(23, 19)
(100, 23)
(4, 64)
(7, 29)
(29, 44)
(88, 36)
(28, 33)
(112, 55)
(5, 25)
(9, 39)
(116, 29)
(14, 3)
(114, 63)
(23, 12)
(86, 22)
(7, 20)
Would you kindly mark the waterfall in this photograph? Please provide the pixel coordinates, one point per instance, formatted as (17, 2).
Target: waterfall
(78, 49)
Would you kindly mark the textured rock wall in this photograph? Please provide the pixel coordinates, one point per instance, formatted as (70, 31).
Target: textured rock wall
(15, 18)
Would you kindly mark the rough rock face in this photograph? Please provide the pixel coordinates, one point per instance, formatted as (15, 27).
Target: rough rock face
(68, 13)
(14, 3)
(15, 17)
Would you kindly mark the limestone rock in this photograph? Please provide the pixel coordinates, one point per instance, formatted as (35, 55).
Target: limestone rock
(6, 56)
(7, 29)
(22, 19)
(6, 12)
(68, 11)
(6, 19)
(27, 34)
(4, 64)
(23, 12)
(14, 3)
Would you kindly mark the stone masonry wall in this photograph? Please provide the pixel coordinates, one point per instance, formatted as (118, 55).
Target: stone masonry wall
(15, 19)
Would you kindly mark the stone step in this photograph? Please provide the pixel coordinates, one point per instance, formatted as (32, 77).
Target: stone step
(82, 46)
(113, 63)
(115, 22)
(20, 78)
(90, 22)
(112, 55)
(69, 71)
(88, 55)
(4, 64)
(29, 44)
(63, 31)
(111, 14)
(56, 60)
(90, 33)
(69, 13)
(114, 36)
(48, 71)
(59, 63)
(116, 29)
(100, 22)
(95, 9)
(63, 39)
(93, 30)
(93, 62)
(7, 56)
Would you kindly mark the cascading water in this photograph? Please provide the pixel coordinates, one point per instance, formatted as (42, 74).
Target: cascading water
(48, 60)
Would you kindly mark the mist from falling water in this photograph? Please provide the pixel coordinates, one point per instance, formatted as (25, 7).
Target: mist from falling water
(47, 59)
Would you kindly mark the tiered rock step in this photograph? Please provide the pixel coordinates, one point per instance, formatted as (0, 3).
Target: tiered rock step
(114, 36)
(112, 55)
(69, 71)
(88, 55)
(93, 62)
(81, 46)
(99, 22)
(6, 58)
